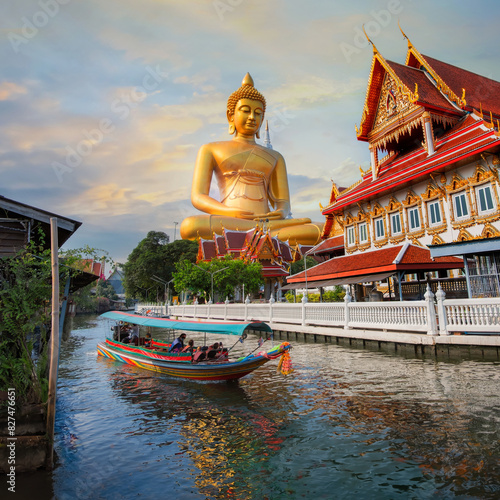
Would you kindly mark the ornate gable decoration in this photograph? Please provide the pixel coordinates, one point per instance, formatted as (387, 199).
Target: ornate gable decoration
(386, 97)
(393, 101)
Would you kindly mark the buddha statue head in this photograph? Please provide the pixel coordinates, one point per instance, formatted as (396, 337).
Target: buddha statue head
(249, 94)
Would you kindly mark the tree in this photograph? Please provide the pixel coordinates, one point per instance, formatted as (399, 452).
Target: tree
(227, 275)
(25, 315)
(298, 266)
(155, 257)
(25, 292)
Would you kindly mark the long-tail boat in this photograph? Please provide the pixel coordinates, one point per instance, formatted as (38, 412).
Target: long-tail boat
(156, 356)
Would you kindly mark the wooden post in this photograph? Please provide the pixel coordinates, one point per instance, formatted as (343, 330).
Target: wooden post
(54, 342)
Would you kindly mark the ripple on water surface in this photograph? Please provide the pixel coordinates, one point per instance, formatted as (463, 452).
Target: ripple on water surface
(346, 422)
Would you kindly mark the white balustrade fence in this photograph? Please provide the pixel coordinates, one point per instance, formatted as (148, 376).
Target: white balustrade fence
(158, 310)
(475, 315)
(441, 316)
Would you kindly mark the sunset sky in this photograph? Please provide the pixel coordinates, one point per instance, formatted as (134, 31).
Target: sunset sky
(104, 104)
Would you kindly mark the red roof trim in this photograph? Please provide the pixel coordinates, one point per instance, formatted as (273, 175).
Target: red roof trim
(402, 176)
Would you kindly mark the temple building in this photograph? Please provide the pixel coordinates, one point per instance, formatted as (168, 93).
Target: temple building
(428, 206)
(254, 245)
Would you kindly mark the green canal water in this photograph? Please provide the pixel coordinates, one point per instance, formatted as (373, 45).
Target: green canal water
(346, 424)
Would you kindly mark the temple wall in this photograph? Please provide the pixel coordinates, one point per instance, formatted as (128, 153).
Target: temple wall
(462, 204)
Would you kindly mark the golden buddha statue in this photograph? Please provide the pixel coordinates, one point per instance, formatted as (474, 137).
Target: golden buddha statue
(252, 180)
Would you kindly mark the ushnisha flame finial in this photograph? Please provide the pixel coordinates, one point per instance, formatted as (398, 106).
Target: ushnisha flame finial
(247, 80)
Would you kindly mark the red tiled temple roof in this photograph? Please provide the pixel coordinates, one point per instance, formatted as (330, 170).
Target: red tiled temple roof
(470, 136)
(480, 92)
(235, 240)
(272, 269)
(334, 243)
(406, 257)
(207, 249)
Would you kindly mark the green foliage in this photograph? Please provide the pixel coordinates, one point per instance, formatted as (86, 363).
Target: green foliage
(25, 308)
(105, 289)
(298, 266)
(73, 257)
(228, 275)
(155, 257)
(84, 299)
(25, 292)
(335, 295)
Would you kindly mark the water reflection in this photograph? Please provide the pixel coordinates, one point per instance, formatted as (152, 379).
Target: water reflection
(346, 423)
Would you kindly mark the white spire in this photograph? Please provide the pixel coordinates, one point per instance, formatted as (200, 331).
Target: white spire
(267, 139)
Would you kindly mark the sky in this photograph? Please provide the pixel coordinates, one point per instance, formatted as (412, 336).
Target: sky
(104, 104)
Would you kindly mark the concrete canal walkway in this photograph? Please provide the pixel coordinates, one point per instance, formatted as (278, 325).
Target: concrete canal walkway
(452, 347)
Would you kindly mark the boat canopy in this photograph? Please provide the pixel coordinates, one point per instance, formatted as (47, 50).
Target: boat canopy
(222, 327)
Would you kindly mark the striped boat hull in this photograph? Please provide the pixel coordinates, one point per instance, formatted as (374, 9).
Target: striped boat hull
(180, 366)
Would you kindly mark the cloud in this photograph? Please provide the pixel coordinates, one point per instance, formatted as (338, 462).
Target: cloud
(11, 90)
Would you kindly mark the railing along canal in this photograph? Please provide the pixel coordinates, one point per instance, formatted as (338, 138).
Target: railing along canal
(435, 315)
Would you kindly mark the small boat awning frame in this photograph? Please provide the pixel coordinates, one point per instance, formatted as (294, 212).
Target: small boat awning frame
(225, 328)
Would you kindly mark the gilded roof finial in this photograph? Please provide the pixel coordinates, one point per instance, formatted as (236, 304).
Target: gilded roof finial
(481, 109)
(375, 51)
(404, 35)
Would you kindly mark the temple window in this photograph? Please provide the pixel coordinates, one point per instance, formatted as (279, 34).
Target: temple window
(350, 236)
(379, 228)
(395, 223)
(413, 219)
(484, 198)
(363, 233)
(460, 206)
(434, 213)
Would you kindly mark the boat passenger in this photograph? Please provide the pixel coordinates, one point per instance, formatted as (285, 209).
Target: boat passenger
(133, 337)
(148, 340)
(213, 350)
(190, 347)
(178, 343)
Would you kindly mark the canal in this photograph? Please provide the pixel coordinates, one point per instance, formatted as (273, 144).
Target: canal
(346, 423)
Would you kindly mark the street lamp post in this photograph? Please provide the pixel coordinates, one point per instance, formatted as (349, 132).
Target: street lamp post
(165, 285)
(212, 277)
(175, 228)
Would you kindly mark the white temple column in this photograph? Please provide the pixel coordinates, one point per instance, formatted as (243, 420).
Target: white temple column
(374, 161)
(429, 137)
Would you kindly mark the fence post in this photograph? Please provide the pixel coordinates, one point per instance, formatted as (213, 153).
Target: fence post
(304, 302)
(226, 302)
(271, 302)
(347, 311)
(440, 296)
(431, 312)
(247, 301)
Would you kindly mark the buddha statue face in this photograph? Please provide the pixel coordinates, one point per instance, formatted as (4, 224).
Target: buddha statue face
(247, 117)
(245, 109)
